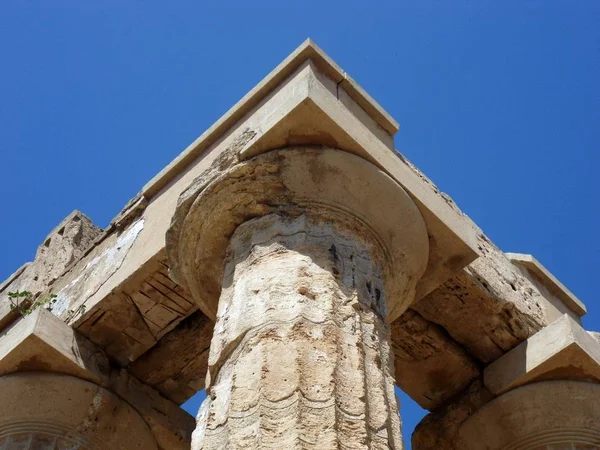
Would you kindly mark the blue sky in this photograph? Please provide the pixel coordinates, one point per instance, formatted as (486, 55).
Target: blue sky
(498, 102)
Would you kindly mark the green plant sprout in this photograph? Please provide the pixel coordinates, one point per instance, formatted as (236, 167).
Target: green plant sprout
(24, 303)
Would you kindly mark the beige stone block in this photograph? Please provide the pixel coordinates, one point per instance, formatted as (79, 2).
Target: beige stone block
(41, 343)
(63, 246)
(431, 368)
(559, 299)
(489, 307)
(562, 350)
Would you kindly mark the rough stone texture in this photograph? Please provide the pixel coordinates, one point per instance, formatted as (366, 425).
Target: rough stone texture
(562, 350)
(301, 354)
(547, 415)
(323, 180)
(430, 367)
(64, 245)
(560, 299)
(177, 365)
(41, 343)
(438, 430)
(118, 328)
(47, 412)
(72, 296)
(488, 307)
(133, 318)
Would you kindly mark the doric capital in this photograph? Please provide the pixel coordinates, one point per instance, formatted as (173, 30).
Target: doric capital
(331, 185)
(306, 102)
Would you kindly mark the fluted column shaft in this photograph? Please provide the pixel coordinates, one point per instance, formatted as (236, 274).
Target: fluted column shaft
(300, 357)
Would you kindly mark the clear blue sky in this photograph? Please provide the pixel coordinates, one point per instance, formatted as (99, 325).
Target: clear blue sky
(498, 102)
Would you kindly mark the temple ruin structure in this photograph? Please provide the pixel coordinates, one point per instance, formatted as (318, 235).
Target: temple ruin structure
(296, 266)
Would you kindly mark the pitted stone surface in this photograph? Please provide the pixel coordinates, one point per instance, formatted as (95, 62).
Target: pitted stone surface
(489, 307)
(45, 411)
(64, 245)
(301, 354)
(322, 180)
(539, 416)
(437, 430)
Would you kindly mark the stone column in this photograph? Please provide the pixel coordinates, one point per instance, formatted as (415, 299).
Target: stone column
(548, 415)
(300, 356)
(60, 391)
(324, 248)
(42, 411)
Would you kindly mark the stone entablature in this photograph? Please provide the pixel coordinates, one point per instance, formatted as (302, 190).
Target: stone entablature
(457, 328)
(542, 395)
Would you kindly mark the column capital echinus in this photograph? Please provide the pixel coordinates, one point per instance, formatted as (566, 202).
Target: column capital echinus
(323, 183)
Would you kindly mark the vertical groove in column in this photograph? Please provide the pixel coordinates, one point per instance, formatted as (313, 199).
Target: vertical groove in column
(300, 356)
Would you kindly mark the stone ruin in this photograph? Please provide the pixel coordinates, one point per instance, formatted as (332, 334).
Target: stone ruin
(296, 266)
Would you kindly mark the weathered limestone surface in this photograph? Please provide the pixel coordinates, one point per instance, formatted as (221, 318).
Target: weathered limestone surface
(42, 411)
(301, 356)
(294, 180)
(560, 300)
(488, 307)
(41, 343)
(562, 350)
(437, 431)
(177, 365)
(480, 309)
(430, 367)
(132, 318)
(62, 247)
(546, 415)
